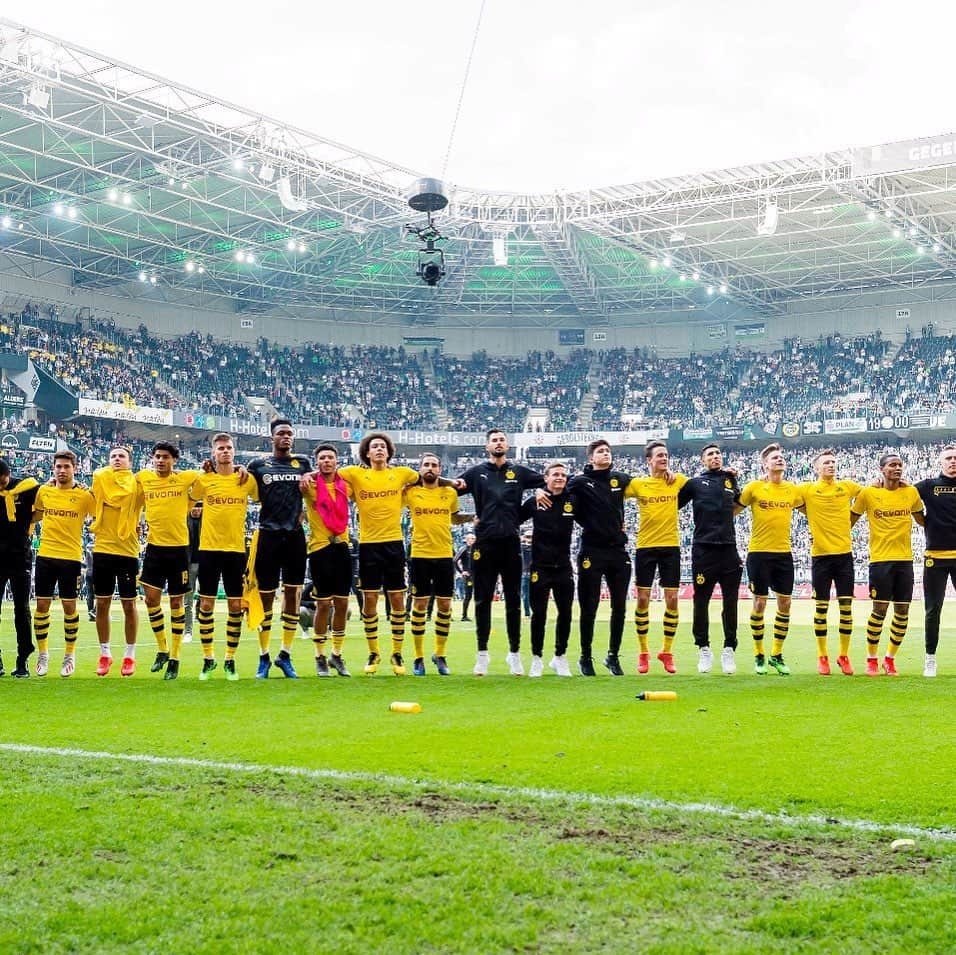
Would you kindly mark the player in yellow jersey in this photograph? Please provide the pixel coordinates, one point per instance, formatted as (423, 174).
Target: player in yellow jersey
(377, 491)
(330, 559)
(166, 561)
(769, 555)
(657, 552)
(118, 501)
(61, 511)
(826, 503)
(433, 510)
(225, 493)
(890, 511)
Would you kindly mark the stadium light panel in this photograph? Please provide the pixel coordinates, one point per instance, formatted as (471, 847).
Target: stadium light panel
(302, 247)
(888, 213)
(920, 250)
(937, 247)
(897, 233)
(72, 213)
(127, 198)
(667, 262)
(498, 250)
(871, 215)
(240, 256)
(696, 276)
(710, 290)
(238, 164)
(201, 270)
(152, 280)
(58, 209)
(652, 264)
(290, 245)
(7, 222)
(723, 290)
(142, 276)
(113, 195)
(190, 266)
(913, 230)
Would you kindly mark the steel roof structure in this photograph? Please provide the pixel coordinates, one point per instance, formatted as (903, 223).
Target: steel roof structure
(143, 186)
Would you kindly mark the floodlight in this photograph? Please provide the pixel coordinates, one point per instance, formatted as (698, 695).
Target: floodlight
(266, 172)
(710, 290)
(723, 290)
(7, 222)
(152, 280)
(667, 262)
(302, 247)
(38, 97)
(871, 215)
(127, 198)
(652, 264)
(190, 266)
(71, 212)
(58, 209)
(695, 276)
(113, 195)
(142, 276)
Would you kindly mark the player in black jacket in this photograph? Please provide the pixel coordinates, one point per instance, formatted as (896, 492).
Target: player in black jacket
(939, 499)
(550, 571)
(16, 514)
(714, 558)
(497, 487)
(598, 499)
(463, 566)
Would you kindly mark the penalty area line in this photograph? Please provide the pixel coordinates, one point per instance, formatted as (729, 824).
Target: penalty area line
(492, 790)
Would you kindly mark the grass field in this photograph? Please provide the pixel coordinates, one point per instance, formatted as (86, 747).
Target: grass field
(753, 814)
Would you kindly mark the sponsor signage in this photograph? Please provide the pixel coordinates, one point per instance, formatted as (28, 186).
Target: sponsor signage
(844, 425)
(717, 331)
(906, 154)
(599, 336)
(13, 399)
(25, 441)
(731, 432)
(697, 434)
(902, 313)
(791, 429)
(812, 427)
(904, 422)
(246, 323)
(570, 336)
(753, 330)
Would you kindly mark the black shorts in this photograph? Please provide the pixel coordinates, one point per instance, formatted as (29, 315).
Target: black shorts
(331, 571)
(663, 560)
(280, 554)
(382, 565)
(166, 568)
(432, 576)
(770, 571)
(54, 573)
(836, 569)
(115, 572)
(227, 565)
(892, 580)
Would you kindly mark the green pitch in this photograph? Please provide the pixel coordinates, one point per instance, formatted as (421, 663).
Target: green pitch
(752, 814)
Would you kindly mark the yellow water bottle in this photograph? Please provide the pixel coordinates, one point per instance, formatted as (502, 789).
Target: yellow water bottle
(657, 695)
(401, 707)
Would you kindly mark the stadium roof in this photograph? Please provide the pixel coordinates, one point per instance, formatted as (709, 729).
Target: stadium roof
(144, 187)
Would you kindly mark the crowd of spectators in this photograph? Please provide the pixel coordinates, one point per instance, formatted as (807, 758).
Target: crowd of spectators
(391, 388)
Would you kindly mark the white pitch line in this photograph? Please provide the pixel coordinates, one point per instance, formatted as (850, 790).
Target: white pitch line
(492, 790)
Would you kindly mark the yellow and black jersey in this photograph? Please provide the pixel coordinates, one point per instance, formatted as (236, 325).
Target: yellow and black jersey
(890, 516)
(827, 505)
(118, 499)
(225, 501)
(772, 514)
(378, 500)
(319, 535)
(62, 513)
(431, 510)
(167, 504)
(657, 508)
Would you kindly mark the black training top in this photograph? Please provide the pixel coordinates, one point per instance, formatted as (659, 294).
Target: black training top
(553, 526)
(714, 494)
(14, 535)
(939, 497)
(278, 480)
(598, 499)
(497, 493)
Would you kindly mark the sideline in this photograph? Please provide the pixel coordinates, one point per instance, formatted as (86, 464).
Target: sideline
(486, 790)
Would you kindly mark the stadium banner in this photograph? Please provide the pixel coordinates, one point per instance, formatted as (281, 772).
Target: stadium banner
(844, 425)
(906, 422)
(13, 399)
(677, 435)
(753, 330)
(906, 154)
(28, 441)
(718, 331)
(581, 439)
(117, 411)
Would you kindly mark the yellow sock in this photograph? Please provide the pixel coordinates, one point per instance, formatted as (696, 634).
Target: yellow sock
(71, 627)
(642, 623)
(846, 624)
(781, 627)
(370, 624)
(671, 618)
(233, 632)
(338, 641)
(158, 623)
(398, 630)
(177, 626)
(41, 630)
(290, 623)
(757, 630)
(207, 632)
(897, 631)
(319, 640)
(442, 628)
(874, 628)
(265, 633)
(418, 631)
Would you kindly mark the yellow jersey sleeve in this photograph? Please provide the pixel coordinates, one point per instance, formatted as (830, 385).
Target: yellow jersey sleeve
(110, 537)
(431, 510)
(63, 514)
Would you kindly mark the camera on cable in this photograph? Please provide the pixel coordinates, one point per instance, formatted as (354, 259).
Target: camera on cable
(428, 196)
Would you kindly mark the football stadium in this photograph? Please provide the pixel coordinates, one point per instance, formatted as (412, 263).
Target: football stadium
(389, 563)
